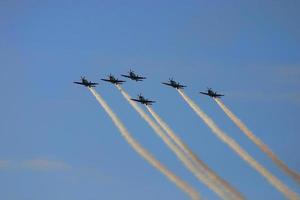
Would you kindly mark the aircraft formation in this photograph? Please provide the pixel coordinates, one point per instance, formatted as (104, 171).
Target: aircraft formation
(188, 158)
(135, 77)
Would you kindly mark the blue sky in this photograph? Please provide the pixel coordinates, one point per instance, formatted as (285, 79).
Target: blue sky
(57, 142)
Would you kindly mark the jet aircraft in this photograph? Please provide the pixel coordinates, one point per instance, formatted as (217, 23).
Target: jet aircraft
(86, 83)
(143, 100)
(212, 94)
(133, 76)
(174, 84)
(113, 80)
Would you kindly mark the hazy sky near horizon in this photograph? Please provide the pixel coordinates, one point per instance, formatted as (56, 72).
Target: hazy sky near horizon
(58, 143)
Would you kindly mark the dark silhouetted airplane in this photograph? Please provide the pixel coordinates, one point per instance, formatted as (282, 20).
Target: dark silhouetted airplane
(174, 84)
(211, 93)
(143, 100)
(113, 80)
(86, 83)
(131, 75)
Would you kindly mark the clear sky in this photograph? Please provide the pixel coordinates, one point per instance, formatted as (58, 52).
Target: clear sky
(56, 142)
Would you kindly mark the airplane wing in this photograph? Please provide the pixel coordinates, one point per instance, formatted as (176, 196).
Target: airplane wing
(149, 102)
(204, 93)
(137, 100)
(125, 76)
(107, 80)
(119, 81)
(92, 84)
(181, 86)
(140, 77)
(80, 83)
(167, 84)
(219, 95)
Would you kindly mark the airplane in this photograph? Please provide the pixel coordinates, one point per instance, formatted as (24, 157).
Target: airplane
(212, 94)
(113, 80)
(143, 100)
(174, 84)
(131, 75)
(86, 83)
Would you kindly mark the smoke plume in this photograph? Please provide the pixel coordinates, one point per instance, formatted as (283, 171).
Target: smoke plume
(193, 194)
(210, 173)
(239, 150)
(263, 147)
(181, 156)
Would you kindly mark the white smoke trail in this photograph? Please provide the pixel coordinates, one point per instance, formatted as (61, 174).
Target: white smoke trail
(239, 150)
(143, 152)
(200, 175)
(263, 147)
(210, 173)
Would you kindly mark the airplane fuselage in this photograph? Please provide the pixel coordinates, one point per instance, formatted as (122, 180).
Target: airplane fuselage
(131, 74)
